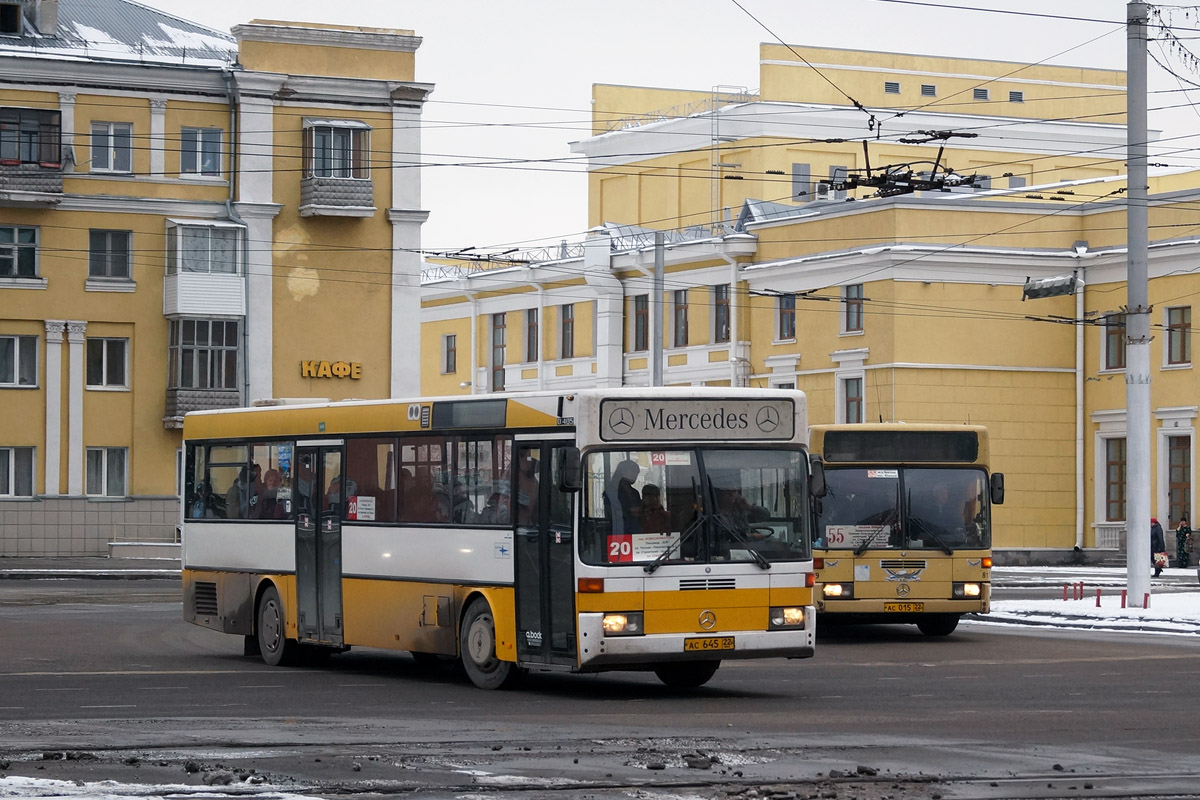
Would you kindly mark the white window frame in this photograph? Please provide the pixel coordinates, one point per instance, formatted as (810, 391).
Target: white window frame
(716, 301)
(106, 481)
(1169, 333)
(447, 339)
(21, 353)
(1173, 422)
(194, 153)
(106, 255)
(842, 379)
(8, 457)
(354, 148)
(533, 347)
(107, 158)
(106, 357)
(15, 248)
(215, 361)
(177, 230)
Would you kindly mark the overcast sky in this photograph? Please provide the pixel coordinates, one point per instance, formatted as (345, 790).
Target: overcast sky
(513, 79)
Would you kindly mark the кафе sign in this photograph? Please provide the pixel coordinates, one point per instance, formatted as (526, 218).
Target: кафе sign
(331, 369)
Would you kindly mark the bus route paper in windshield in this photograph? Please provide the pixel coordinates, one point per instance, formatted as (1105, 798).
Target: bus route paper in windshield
(681, 420)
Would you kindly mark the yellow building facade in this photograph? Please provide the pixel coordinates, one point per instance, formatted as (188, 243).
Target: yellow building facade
(786, 266)
(189, 222)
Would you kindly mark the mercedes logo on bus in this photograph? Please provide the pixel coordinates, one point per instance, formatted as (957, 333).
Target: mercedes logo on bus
(767, 419)
(902, 590)
(620, 421)
(708, 620)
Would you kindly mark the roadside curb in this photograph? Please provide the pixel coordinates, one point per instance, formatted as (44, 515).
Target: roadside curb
(1044, 620)
(93, 574)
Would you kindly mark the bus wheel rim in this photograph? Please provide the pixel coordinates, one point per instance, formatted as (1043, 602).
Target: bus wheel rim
(480, 644)
(271, 626)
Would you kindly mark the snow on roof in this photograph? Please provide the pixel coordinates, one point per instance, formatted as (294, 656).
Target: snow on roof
(122, 30)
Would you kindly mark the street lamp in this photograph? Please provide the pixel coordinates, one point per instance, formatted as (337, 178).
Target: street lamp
(1049, 287)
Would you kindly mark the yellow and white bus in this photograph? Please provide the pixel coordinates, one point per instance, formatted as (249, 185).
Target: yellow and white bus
(649, 529)
(904, 531)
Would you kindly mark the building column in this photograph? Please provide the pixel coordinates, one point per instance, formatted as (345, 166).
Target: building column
(75, 366)
(66, 108)
(405, 376)
(610, 308)
(259, 313)
(158, 138)
(53, 449)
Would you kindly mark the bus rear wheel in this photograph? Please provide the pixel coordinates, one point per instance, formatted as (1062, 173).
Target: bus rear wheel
(938, 625)
(477, 641)
(271, 630)
(687, 674)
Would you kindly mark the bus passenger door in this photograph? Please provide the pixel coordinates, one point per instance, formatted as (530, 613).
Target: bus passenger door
(545, 557)
(317, 491)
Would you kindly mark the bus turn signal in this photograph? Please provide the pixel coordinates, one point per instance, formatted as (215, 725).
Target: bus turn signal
(591, 585)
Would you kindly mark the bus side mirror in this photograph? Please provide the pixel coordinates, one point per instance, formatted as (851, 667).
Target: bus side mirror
(570, 475)
(816, 478)
(997, 488)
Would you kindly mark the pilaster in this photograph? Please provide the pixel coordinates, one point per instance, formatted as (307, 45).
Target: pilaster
(76, 331)
(53, 450)
(66, 109)
(158, 138)
(405, 377)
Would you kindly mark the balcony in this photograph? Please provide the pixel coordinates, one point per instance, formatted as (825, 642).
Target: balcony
(181, 401)
(337, 197)
(30, 185)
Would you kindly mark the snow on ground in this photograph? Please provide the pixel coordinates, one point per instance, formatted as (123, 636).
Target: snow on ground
(44, 789)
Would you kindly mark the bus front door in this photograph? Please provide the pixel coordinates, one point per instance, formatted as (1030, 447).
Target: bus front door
(317, 495)
(545, 557)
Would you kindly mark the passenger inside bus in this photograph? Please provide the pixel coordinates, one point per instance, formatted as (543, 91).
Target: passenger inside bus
(655, 518)
(624, 504)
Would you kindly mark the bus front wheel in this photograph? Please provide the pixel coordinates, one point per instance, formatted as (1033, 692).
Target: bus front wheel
(477, 641)
(271, 630)
(686, 674)
(938, 625)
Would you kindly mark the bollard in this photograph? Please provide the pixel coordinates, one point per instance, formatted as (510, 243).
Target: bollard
(1097, 598)
(1146, 600)
(1064, 592)
(1123, 593)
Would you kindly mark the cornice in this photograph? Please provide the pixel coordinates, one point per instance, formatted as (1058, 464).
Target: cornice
(398, 216)
(373, 39)
(143, 205)
(44, 74)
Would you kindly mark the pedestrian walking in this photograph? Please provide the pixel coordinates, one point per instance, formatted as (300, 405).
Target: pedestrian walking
(1183, 542)
(1158, 547)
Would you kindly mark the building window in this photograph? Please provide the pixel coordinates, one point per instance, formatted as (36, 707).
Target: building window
(928, 90)
(567, 332)
(641, 322)
(30, 136)
(108, 254)
(1114, 480)
(16, 472)
(852, 320)
(106, 471)
(10, 19)
(337, 151)
(1179, 482)
(499, 326)
(721, 313)
(106, 363)
(200, 151)
(1179, 335)
(1016, 97)
(112, 147)
(852, 408)
(203, 248)
(18, 361)
(1114, 343)
(18, 252)
(449, 354)
(891, 87)
(203, 354)
(531, 334)
(680, 312)
(981, 94)
(787, 317)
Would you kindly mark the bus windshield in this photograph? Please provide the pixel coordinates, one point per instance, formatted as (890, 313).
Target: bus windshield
(904, 508)
(694, 504)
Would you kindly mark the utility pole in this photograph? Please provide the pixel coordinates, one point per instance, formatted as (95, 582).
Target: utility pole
(1137, 316)
(656, 311)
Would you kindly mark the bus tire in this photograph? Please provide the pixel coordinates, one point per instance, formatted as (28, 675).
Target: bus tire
(271, 629)
(477, 643)
(938, 624)
(686, 674)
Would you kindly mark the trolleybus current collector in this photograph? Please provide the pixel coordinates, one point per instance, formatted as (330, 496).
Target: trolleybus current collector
(657, 529)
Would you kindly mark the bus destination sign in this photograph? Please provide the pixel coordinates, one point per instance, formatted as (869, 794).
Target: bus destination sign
(678, 420)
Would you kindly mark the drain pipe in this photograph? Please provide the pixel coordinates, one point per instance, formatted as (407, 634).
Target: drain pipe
(1079, 487)
(735, 359)
(231, 94)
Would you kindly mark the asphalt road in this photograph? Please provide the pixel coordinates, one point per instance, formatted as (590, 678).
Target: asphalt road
(103, 680)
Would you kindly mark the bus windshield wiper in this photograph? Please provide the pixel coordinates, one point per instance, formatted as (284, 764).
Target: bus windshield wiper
(865, 543)
(683, 537)
(939, 541)
(759, 558)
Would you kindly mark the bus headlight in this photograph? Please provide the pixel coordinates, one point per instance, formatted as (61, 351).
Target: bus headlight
(627, 623)
(787, 617)
(966, 590)
(838, 591)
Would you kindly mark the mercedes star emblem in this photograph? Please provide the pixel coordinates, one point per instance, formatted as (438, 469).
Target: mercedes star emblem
(707, 620)
(767, 419)
(902, 590)
(621, 421)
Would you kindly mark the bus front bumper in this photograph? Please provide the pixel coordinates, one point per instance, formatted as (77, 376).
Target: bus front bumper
(598, 651)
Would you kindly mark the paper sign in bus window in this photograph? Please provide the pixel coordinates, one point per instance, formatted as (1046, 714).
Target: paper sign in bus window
(883, 473)
(854, 535)
(361, 508)
(631, 547)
